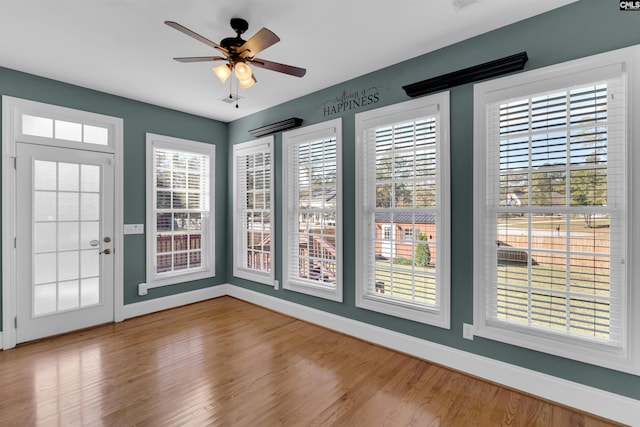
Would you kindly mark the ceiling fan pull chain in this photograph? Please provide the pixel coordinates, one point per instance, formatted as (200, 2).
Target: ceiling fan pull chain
(237, 96)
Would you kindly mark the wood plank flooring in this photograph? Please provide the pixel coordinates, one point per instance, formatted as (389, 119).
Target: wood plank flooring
(225, 362)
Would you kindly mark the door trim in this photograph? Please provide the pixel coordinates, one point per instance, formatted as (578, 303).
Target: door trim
(11, 110)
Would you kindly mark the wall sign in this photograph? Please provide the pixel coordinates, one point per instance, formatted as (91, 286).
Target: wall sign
(348, 100)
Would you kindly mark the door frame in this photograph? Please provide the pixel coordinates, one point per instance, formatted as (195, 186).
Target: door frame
(12, 108)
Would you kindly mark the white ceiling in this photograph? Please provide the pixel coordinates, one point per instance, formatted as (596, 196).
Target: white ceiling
(123, 47)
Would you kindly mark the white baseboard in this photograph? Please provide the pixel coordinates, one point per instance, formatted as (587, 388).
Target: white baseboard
(172, 301)
(588, 399)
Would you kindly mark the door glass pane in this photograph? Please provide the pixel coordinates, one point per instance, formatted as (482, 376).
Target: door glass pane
(69, 235)
(68, 206)
(44, 237)
(68, 268)
(90, 176)
(90, 292)
(69, 131)
(68, 178)
(90, 263)
(44, 268)
(44, 208)
(90, 207)
(44, 299)
(68, 295)
(44, 175)
(88, 233)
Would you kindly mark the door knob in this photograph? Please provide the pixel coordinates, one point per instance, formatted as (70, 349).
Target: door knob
(106, 252)
(107, 239)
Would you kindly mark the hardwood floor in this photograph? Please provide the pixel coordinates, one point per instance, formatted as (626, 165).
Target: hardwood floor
(226, 362)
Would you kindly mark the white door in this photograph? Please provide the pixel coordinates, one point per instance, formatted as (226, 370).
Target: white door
(64, 243)
(387, 244)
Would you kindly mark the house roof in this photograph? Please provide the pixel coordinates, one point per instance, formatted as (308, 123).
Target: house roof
(406, 217)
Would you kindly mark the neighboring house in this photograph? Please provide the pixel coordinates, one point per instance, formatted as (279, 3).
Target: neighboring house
(396, 234)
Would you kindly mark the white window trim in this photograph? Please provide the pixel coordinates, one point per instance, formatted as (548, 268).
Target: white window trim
(243, 149)
(626, 358)
(408, 110)
(12, 110)
(290, 138)
(208, 259)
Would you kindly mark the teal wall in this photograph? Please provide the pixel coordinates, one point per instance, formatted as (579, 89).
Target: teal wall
(584, 28)
(139, 118)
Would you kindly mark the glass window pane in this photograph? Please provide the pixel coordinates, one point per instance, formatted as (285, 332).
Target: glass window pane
(68, 130)
(37, 126)
(96, 135)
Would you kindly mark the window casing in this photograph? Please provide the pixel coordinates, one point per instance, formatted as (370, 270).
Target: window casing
(552, 198)
(252, 207)
(180, 214)
(312, 210)
(402, 210)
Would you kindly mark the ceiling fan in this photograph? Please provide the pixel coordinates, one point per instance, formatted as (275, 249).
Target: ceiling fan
(239, 53)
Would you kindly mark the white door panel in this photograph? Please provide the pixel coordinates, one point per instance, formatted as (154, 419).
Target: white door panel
(65, 222)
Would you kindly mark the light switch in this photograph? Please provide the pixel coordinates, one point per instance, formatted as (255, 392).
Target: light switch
(134, 229)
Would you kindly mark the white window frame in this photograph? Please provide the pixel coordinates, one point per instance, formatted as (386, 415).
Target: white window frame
(207, 269)
(290, 139)
(624, 62)
(367, 296)
(262, 145)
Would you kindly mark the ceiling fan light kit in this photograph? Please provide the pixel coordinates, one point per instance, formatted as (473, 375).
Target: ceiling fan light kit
(239, 53)
(222, 71)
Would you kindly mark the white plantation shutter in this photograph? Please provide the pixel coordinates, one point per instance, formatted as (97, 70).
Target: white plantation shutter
(551, 196)
(561, 154)
(402, 159)
(253, 218)
(312, 210)
(180, 215)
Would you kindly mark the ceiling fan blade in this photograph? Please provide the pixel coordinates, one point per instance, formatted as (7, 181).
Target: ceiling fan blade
(200, 58)
(259, 42)
(195, 35)
(281, 68)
